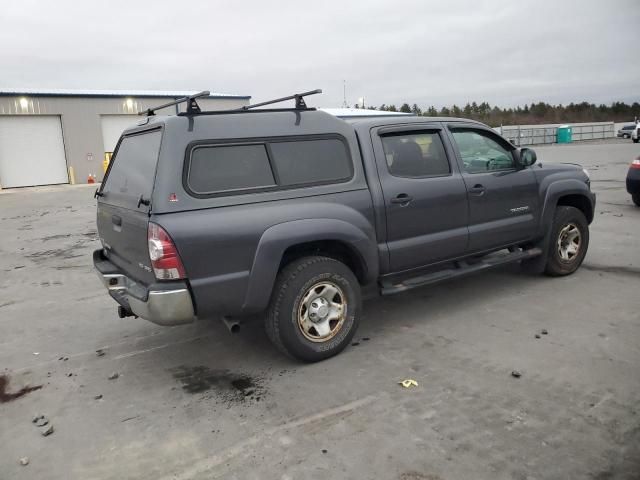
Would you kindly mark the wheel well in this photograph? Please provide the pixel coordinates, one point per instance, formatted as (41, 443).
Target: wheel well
(580, 202)
(329, 248)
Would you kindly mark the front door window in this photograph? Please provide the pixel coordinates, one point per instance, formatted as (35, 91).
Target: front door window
(480, 153)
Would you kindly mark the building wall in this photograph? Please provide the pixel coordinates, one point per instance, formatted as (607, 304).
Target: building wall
(81, 127)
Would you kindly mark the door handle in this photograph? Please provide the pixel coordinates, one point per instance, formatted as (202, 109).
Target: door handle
(477, 189)
(403, 199)
(116, 220)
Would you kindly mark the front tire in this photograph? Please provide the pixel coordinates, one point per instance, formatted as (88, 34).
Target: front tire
(315, 308)
(569, 241)
(635, 140)
(636, 199)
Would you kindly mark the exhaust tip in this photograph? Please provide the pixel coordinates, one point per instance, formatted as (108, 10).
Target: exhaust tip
(232, 325)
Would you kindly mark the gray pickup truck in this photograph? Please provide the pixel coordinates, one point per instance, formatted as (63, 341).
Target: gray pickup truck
(293, 212)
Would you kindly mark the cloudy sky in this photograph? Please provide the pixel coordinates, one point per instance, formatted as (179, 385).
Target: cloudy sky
(427, 52)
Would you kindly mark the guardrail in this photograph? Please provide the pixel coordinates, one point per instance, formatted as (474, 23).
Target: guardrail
(547, 134)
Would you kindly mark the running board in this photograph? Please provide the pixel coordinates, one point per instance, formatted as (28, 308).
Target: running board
(461, 268)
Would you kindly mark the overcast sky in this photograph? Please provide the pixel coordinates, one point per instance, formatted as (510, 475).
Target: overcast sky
(427, 52)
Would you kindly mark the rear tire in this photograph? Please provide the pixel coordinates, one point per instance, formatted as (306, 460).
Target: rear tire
(636, 199)
(315, 308)
(568, 243)
(635, 140)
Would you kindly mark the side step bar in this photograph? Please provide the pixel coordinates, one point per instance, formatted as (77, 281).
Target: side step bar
(461, 268)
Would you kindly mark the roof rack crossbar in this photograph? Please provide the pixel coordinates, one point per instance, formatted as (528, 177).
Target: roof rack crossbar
(298, 97)
(192, 105)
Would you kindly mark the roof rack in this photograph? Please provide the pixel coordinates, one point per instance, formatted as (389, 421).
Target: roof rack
(298, 97)
(192, 105)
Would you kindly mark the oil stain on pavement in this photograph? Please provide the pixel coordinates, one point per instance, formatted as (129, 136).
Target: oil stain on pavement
(226, 386)
(8, 397)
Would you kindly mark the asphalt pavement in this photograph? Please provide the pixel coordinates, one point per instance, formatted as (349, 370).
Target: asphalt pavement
(129, 399)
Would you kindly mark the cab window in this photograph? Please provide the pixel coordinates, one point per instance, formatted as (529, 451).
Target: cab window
(415, 154)
(480, 152)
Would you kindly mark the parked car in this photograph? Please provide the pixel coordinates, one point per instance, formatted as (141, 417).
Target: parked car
(626, 130)
(633, 181)
(294, 212)
(635, 133)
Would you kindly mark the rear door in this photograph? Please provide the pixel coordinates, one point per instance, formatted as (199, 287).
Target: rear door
(425, 196)
(503, 198)
(124, 204)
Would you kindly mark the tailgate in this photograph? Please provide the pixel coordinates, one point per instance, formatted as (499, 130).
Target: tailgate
(124, 204)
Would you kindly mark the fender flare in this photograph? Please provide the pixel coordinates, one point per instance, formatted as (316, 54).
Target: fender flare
(557, 189)
(276, 239)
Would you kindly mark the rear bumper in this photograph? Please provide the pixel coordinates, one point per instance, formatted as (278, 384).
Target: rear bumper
(164, 304)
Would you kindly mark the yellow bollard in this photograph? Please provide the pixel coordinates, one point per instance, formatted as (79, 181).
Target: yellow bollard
(106, 161)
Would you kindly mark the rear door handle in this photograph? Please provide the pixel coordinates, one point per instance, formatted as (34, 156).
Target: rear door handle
(402, 199)
(477, 189)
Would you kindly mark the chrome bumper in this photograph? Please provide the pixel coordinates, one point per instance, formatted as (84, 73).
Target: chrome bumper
(164, 307)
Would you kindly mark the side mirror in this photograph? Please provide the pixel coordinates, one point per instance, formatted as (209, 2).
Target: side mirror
(527, 157)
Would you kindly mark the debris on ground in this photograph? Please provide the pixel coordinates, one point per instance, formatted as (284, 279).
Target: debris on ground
(100, 352)
(544, 331)
(355, 344)
(40, 421)
(409, 382)
(36, 353)
(516, 374)
(70, 374)
(98, 397)
(47, 430)
(24, 461)
(538, 335)
(63, 359)
(113, 376)
(365, 339)
(324, 450)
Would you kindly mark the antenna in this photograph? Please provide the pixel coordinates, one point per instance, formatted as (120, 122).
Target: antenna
(344, 94)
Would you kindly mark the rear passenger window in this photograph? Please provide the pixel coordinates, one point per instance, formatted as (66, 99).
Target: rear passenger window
(223, 168)
(415, 155)
(216, 169)
(311, 161)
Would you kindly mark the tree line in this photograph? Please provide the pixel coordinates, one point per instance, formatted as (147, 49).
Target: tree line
(536, 113)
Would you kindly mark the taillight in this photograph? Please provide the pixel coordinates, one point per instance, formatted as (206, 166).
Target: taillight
(635, 163)
(163, 254)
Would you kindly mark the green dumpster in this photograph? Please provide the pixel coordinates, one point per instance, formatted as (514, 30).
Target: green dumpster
(563, 134)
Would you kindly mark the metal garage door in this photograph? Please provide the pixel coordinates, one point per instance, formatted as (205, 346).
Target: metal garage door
(31, 151)
(112, 127)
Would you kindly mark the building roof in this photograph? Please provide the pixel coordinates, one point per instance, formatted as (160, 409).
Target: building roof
(64, 92)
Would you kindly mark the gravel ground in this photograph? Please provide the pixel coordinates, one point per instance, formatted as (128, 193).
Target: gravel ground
(196, 402)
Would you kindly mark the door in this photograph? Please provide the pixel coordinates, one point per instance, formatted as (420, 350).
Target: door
(503, 198)
(31, 151)
(424, 194)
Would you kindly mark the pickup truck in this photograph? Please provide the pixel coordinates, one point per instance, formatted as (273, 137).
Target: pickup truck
(291, 213)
